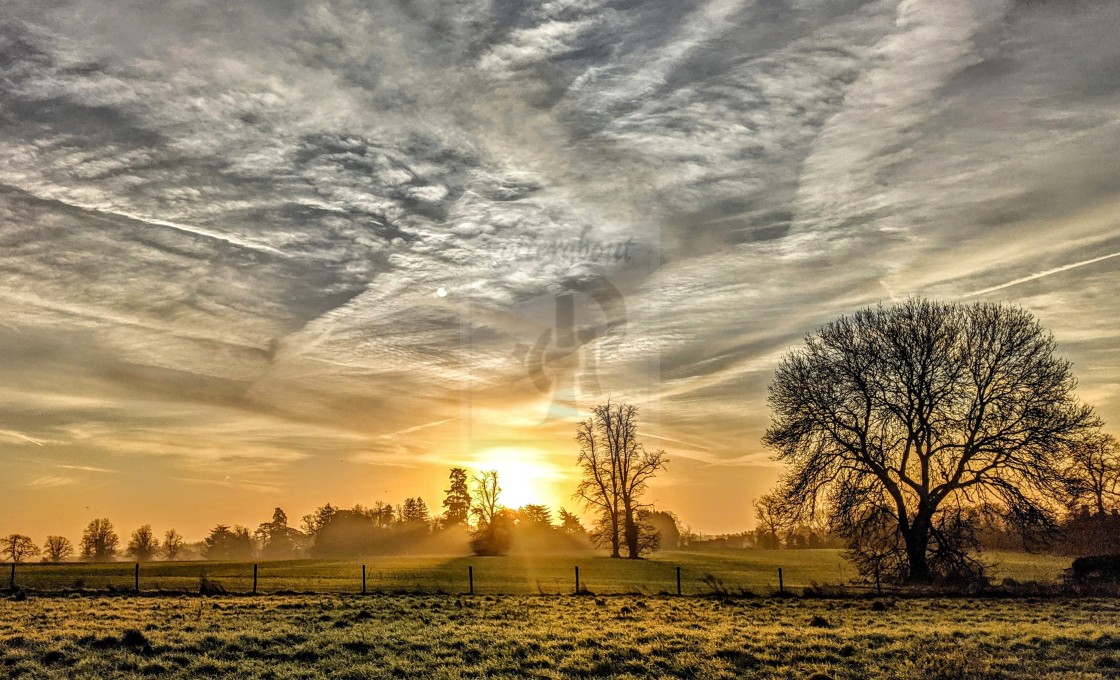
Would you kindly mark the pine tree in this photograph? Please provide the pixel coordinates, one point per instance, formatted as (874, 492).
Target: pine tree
(457, 504)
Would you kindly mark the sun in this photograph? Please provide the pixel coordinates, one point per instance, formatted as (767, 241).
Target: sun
(525, 476)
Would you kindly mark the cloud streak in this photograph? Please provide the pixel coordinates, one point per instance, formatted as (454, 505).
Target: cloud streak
(1043, 274)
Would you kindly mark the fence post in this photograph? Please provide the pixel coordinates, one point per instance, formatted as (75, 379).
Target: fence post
(470, 576)
(781, 584)
(678, 581)
(136, 578)
(363, 579)
(577, 579)
(254, 579)
(12, 579)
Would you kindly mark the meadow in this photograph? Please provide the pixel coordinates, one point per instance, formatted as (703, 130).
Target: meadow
(733, 570)
(80, 620)
(449, 636)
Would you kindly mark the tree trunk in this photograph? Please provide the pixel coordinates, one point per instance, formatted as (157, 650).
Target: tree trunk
(630, 532)
(917, 546)
(616, 542)
(632, 539)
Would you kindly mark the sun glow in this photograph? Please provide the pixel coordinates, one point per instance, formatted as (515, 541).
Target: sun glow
(525, 476)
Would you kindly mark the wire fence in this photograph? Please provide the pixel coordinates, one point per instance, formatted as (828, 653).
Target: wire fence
(292, 577)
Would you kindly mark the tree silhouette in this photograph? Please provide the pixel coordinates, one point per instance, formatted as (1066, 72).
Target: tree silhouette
(414, 511)
(494, 533)
(535, 515)
(664, 525)
(57, 548)
(771, 523)
(616, 470)
(312, 524)
(570, 523)
(143, 545)
(899, 422)
(18, 547)
(457, 503)
(486, 491)
(99, 541)
(276, 538)
(172, 544)
(1094, 471)
(225, 543)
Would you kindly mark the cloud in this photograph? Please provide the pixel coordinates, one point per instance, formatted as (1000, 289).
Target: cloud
(221, 229)
(49, 481)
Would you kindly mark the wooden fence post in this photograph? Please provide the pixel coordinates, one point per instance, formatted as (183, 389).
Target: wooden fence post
(678, 581)
(470, 576)
(781, 584)
(577, 579)
(254, 579)
(363, 579)
(12, 579)
(136, 578)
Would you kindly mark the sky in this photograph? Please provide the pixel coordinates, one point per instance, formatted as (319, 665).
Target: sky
(279, 253)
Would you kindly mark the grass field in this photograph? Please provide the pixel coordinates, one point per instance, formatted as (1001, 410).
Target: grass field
(755, 570)
(348, 636)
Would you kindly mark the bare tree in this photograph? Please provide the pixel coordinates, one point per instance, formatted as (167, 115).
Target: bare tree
(616, 470)
(907, 417)
(18, 547)
(484, 506)
(494, 533)
(771, 522)
(143, 545)
(599, 489)
(1094, 471)
(172, 544)
(57, 548)
(99, 541)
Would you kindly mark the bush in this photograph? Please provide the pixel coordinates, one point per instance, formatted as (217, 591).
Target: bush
(492, 539)
(209, 586)
(1095, 568)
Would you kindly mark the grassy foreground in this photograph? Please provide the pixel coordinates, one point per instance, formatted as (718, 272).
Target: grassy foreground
(343, 636)
(755, 570)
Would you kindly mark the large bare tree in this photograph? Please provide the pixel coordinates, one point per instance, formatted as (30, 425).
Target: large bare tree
(143, 544)
(172, 544)
(99, 541)
(17, 547)
(57, 548)
(900, 423)
(616, 470)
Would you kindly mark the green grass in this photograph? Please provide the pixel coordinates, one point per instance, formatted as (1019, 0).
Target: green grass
(755, 570)
(346, 636)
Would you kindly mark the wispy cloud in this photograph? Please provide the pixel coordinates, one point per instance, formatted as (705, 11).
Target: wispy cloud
(49, 481)
(222, 230)
(19, 437)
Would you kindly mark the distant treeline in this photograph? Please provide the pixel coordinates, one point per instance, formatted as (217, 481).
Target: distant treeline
(334, 532)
